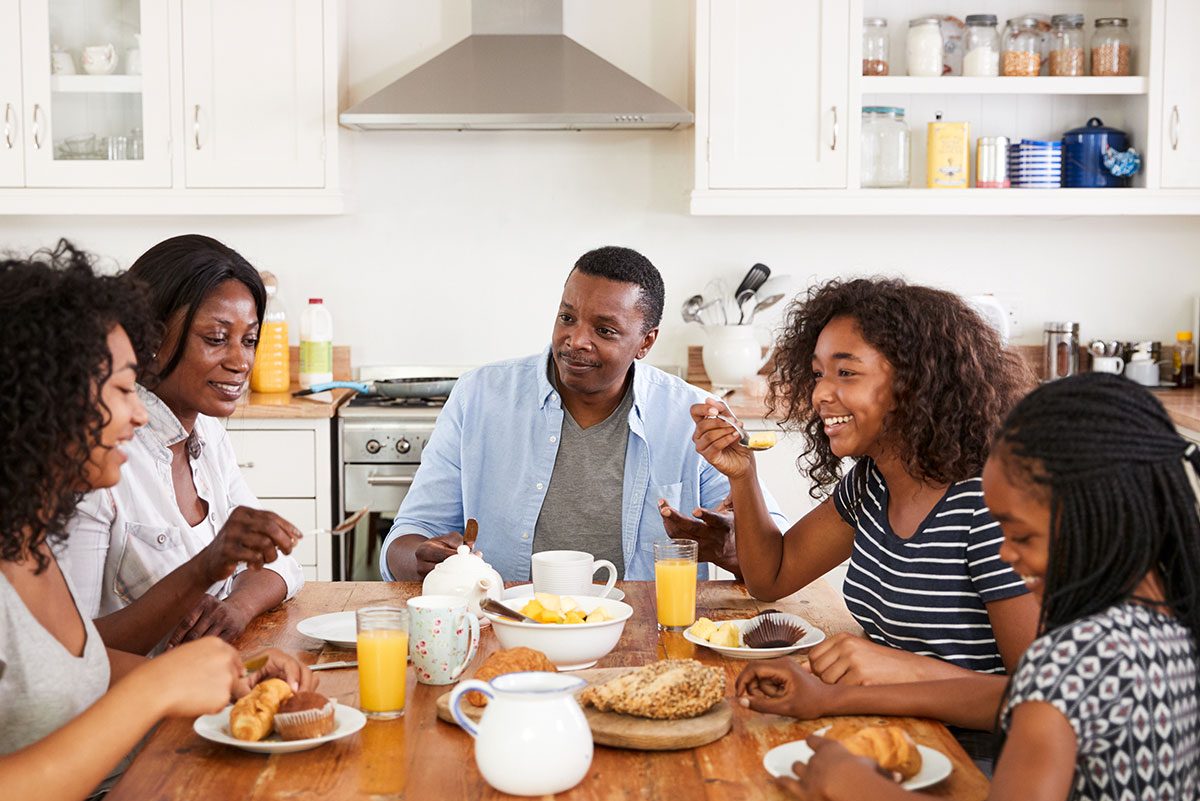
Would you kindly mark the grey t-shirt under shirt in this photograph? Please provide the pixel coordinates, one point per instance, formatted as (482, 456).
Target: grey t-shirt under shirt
(583, 504)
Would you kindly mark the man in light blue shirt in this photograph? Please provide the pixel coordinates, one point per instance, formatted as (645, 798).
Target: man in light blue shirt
(576, 447)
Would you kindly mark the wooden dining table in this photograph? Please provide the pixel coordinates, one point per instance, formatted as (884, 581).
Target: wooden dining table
(420, 757)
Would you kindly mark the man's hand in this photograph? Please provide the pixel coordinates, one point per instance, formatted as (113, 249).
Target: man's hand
(847, 659)
(280, 665)
(253, 536)
(436, 550)
(711, 528)
(211, 617)
(784, 687)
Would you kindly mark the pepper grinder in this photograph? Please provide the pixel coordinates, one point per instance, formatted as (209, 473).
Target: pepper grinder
(1061, 354)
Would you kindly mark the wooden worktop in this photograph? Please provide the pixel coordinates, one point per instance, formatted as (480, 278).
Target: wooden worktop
(282, 406)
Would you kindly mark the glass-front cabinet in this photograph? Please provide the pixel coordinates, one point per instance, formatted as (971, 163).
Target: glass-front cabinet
(95, 93)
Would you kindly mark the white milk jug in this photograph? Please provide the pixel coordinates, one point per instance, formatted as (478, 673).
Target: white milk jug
(731, 355)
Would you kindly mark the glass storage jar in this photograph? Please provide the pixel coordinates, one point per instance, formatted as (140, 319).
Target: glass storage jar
(1112, 48)
(982, 59)
(924, 50)
(875, 46)
(1022, 53)
(886, 147)
(1067, 53)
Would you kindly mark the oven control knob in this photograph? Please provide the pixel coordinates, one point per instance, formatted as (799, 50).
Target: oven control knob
(373, 446)
(403, 445)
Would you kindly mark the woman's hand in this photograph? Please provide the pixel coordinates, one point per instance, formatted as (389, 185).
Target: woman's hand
(711, 528)
(847, 659)
(194, 679)
(834, 774)
(784, 687)
(718, 442)
(280, 665)
(253, 536)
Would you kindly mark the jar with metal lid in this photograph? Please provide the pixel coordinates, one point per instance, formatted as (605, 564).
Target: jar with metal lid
(924, 50)
(875, 46)
(1022, 51)
(1067, 52)
(1112, 47)
(982, 59)
(886, 147)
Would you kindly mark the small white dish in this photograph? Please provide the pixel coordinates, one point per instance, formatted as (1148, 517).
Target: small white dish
(935, 765)
(215, 728)
(335, 628)
(812, 636)
(524, 590)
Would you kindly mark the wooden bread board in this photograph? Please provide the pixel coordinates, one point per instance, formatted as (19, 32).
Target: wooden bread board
(625, 731)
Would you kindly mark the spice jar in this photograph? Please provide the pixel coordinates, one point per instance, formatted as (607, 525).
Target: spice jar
(875, 46)
(886, 145)
(982, 59)
(924, 49)
(1022, 54)
(1112, 50)
(1067, 54)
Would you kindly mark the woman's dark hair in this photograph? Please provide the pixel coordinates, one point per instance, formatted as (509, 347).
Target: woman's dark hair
(953, 382)
(180, 272)
(630, 267)
(1104, 454)
(55, 317)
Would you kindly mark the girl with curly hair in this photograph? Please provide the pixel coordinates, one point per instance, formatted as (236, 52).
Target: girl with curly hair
(912, 384)
(70, 345)
(1099, 502)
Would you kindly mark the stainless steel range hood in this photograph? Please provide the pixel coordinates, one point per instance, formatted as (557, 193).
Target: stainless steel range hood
(517, 71)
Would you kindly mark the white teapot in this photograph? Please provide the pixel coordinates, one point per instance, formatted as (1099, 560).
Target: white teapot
(465, 575)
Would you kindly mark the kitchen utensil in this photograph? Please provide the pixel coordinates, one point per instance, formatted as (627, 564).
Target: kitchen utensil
(691, 309)
(743, 437)
(732, 354)
(255, 663)
(743, 300)
(389, 387)
(625, 731)
(472, 533)
(1108, 364)
(497, 608)
(334, 665)
(760, 305)
(717, 290)
(755, 277)
(1061, 353)
(464, 574)
(570, 646)
(1084, 152)
(705, 318)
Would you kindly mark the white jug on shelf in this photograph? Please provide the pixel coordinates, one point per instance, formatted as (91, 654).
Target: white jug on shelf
(731, 355)
(133, 57)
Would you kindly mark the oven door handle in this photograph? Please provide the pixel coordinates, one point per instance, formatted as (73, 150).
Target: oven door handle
(376, 480)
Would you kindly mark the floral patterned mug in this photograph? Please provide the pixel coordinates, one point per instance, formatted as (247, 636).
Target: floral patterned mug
(442, 637)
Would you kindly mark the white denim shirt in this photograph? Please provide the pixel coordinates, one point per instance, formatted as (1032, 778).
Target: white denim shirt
(125, 538)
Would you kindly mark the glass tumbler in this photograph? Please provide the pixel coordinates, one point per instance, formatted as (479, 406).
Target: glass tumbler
(675, 583)
(382, 660)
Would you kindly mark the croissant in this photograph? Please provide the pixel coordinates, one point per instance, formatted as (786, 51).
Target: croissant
(890, 746)
(254, 714)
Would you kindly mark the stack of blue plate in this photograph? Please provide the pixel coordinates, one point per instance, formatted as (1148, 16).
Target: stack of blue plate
(1035, 165)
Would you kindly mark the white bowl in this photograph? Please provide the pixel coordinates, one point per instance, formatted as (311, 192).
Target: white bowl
(571, 646)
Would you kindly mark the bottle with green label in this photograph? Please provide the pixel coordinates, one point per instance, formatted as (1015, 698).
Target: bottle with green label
(316, 344)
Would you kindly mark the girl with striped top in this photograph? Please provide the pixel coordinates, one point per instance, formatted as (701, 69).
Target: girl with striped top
(912, 384)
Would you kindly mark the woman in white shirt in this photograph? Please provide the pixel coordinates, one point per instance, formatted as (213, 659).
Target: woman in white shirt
(161, 558)
(69, 408)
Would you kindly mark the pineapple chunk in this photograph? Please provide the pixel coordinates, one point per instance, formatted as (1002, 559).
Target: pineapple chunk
(703, 629)
(532, 609)
(549, 601)
(567, 603)
(575, 616)
(551, 616)
(727, 635)
(599, 615)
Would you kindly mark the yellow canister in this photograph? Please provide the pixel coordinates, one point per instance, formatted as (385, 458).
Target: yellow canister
(948, 155)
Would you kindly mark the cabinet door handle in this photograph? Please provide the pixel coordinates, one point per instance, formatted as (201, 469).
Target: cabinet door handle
(1175, 127)
(833, 144)
(8, 125)
(196, 125)
(246, 465)
(37, 127)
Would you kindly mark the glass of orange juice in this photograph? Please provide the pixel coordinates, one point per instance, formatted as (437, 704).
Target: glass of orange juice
(382, 660)
(675, 583)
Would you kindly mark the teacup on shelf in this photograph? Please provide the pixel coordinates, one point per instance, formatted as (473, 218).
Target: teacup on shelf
(99, 59)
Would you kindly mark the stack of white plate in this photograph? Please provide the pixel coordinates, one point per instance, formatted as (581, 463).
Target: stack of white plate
(1035, 165)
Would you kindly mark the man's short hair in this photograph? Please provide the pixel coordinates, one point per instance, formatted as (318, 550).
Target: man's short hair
(629, 267)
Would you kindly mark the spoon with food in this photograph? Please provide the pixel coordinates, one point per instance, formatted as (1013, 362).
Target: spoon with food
(756, 441)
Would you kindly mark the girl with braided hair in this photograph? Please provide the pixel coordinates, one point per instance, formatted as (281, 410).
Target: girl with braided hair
(1099, 502)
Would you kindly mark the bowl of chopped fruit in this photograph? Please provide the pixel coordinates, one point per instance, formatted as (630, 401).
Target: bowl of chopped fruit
(574, 632)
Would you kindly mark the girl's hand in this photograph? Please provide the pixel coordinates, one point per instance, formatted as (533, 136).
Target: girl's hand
(196, 678)
(784, 687)
(847, 659)
(717, 441)
(834, 774)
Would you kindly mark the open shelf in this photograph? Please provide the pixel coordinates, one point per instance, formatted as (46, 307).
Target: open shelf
(958, 85)
(121, 84)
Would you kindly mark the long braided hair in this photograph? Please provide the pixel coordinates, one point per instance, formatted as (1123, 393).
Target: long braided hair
(1122, 489)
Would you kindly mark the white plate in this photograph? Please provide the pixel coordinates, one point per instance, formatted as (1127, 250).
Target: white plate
(347, 720)
(335, 628)
(935, 765)
(812, 636)
(522, 590)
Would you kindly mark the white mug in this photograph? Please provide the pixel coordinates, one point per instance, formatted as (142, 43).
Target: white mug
(570, 573)
(99, 59)
(1143, 372)
(1108, 364)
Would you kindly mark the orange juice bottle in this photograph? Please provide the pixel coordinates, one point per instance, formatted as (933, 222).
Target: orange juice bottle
(272, 368)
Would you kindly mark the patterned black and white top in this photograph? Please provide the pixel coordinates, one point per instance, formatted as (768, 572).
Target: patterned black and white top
(926, 594)
(1125, 679)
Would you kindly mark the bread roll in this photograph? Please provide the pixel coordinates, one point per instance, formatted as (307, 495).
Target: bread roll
(513, 660)
(254, 714)
(890, 746)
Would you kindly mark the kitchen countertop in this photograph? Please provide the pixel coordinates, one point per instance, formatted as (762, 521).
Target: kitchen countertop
(282, 406)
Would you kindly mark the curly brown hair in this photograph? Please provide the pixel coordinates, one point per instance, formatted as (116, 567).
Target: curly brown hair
(953, 381)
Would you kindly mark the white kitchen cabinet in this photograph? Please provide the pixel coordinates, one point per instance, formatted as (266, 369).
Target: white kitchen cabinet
(12, 150)
(776, 79)
(1181, 97)
(253, 93)
(287, 464)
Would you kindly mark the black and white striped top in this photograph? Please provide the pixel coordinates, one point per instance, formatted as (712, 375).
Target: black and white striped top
(926, 594)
